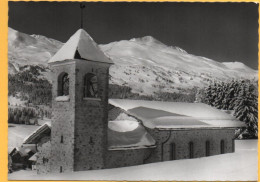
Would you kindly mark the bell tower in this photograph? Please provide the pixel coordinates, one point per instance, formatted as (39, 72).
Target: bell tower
(80, 75)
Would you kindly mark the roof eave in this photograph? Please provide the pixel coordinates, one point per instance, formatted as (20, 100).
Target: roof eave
(132, 147)
(201, 128)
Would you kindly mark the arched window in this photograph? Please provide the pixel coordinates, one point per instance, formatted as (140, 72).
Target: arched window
(207, 148)
(173, 151)
(90, 85)
(222, 147)
(63, 84)
(191, 150)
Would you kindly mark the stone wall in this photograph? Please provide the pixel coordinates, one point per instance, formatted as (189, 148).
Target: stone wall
(176, 143)
(79, 125)
(91, 118)
(63, 117)
(123, 158)
(43, 159)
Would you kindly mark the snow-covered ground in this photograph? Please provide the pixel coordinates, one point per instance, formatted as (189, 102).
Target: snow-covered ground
(15, 101)
(18, 132)
(238, 166)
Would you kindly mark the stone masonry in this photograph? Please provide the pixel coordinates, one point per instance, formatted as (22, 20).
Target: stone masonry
(79, 125)
(177, 142)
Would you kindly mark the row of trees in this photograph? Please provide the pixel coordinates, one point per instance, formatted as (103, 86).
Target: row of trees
(240, 96)
(32, 88)
(125, 92)
(22, 116)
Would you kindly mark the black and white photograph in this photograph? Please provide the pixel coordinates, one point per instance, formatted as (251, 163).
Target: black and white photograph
(133, 91)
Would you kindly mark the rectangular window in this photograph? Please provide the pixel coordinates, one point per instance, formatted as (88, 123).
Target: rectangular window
(60, 169)
(207, 148)
(222, 147)
(173, 152)
(61, 139)
(191, 150)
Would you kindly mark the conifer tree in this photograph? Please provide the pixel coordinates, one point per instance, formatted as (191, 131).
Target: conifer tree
(240, 96)
(246, 110)
(219, 95)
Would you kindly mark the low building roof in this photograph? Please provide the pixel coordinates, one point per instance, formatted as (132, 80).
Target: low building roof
(23, 151)
(176, 115)
(40, 132)
(84, 46)
(34, 157)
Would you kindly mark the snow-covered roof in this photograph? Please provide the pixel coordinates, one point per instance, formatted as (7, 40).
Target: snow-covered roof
(34, 157)
(23, 151)
(176, 115)
(35, 136)
(84, 45)
(126, 134)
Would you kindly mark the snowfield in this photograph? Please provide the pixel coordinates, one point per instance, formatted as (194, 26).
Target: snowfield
(17, 133)
(238, 166)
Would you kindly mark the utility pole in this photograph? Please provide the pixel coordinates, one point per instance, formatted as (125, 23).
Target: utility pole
(82, 6)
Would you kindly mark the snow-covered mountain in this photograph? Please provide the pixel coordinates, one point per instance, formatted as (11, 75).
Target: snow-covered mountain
(147, 65)
(26, 49)
(144, 64)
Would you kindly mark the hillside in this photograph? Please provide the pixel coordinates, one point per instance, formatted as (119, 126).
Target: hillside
(149, 66)
(144, 67)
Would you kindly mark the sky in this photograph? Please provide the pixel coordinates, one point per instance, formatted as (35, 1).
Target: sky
(223, 32)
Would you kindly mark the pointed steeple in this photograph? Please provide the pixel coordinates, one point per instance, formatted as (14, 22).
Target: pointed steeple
(80, 45)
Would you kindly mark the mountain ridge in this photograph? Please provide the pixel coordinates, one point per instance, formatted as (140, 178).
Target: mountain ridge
(144, 64)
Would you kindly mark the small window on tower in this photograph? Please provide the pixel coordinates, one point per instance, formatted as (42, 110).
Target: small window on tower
(90, 86)
(63, 84)
(61, 139)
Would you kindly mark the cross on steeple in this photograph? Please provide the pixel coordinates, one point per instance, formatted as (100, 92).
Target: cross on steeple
(82, 6)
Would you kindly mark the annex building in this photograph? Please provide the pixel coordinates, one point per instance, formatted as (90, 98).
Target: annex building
(90, 131)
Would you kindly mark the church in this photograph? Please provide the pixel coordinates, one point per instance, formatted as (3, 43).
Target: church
(89, 131)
